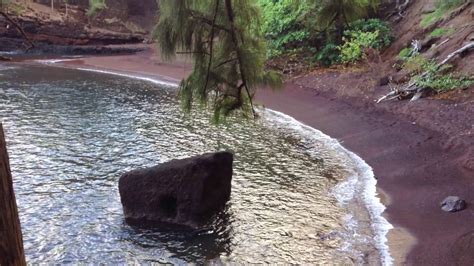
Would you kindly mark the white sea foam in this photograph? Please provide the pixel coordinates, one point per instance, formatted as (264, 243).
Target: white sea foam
(362, 182)
(54, 61)
(165, 81)
(9, 52)
(170, 83)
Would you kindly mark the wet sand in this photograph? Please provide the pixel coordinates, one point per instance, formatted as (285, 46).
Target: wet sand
(416, 166)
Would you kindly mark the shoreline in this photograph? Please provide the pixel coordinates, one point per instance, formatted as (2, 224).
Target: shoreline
(357, 194)
(401, 152)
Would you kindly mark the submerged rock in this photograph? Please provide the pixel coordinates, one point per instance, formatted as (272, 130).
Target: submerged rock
(453, 204)
(183, 192)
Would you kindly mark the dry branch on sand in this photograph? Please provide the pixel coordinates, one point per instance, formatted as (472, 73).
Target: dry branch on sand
(411, 89)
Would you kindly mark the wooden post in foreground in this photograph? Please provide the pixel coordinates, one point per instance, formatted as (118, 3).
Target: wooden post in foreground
(11, 242)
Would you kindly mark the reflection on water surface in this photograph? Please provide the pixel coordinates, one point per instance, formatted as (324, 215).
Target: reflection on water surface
(71, 134)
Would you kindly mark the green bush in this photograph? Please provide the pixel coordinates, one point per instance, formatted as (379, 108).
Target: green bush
(405, 53)
(384, 37)
(329, 55)
(361, 34)
(353, 48)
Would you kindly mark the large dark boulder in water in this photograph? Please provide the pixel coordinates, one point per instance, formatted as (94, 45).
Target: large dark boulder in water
(183, 192)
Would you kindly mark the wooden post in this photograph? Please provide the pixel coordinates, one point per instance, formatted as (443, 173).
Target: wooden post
(11, 242)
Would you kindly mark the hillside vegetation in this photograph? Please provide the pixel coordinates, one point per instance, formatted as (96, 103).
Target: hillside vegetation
(411, 38)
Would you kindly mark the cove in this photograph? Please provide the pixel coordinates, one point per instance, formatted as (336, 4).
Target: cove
(72, 133)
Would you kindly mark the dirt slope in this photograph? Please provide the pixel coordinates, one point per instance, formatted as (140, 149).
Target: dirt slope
(458, 23)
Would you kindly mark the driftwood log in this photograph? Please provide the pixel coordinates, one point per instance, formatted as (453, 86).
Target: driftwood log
(11, 242)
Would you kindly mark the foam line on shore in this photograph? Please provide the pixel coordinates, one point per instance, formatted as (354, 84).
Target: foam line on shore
(170, 82)
(364, 176)
(54, 61)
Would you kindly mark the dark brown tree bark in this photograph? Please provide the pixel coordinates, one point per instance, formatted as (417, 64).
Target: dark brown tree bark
(11, 242)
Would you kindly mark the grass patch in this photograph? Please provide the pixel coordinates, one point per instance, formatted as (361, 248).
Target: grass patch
(431, 18)
(405, 53)
(439, 32)
(443, 7)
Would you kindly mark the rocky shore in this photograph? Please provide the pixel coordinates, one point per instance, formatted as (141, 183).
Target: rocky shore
(58, 32)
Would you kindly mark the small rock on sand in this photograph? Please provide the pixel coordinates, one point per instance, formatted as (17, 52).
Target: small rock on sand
(453, 204)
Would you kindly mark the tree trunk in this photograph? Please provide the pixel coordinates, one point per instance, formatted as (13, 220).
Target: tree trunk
(11, 242)
(230, 17)
(52, 5)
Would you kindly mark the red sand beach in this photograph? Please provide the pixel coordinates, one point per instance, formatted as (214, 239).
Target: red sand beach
(417, 162)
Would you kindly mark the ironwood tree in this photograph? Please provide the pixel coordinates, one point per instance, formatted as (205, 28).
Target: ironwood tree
(11, 241)
(225, 40)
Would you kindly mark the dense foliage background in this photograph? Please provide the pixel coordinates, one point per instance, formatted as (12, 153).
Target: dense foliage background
(327, 31)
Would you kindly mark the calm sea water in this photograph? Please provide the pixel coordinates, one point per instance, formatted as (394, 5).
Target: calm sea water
(71, 134)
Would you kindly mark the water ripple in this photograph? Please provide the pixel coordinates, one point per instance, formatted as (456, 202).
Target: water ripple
(71, 135)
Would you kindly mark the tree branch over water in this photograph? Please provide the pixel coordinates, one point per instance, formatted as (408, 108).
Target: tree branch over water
(225, 39)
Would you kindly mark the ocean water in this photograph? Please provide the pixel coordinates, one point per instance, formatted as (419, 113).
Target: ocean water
(297, 195)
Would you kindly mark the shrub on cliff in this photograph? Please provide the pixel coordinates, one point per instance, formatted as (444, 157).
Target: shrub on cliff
(353, 48)
(363, 34)
(384, 36)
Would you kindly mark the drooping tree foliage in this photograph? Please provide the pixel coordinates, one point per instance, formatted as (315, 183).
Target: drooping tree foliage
(339, 13)
(225, 41)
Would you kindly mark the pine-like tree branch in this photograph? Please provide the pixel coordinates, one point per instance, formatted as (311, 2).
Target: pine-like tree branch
(208, 21)
(226, 62)
(191, 52)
